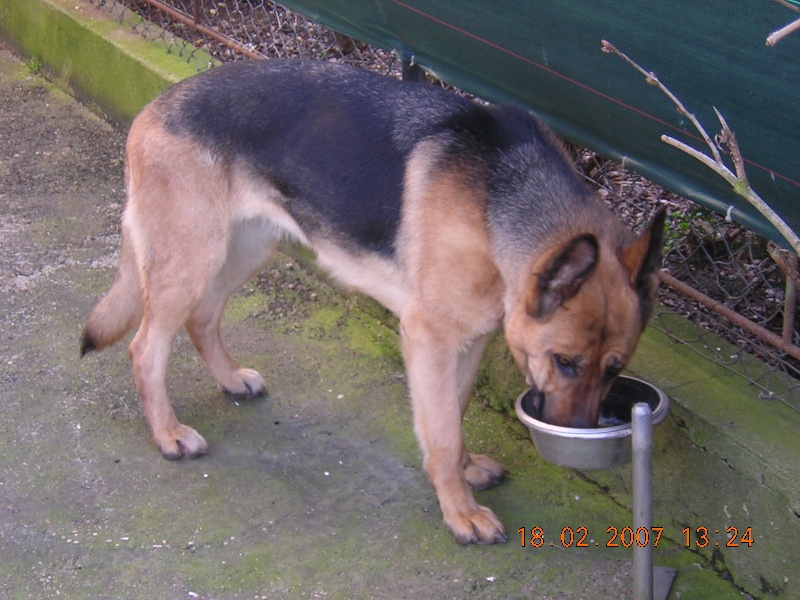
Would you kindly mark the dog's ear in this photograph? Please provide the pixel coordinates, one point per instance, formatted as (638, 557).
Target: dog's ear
(642, 258)
(561, 274)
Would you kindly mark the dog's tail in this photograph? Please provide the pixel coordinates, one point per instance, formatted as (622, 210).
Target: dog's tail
(119, 310)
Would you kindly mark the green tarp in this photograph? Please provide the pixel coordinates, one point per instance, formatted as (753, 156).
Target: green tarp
(546, 55)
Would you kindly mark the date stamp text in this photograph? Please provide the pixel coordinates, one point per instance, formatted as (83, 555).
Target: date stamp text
(627, 537)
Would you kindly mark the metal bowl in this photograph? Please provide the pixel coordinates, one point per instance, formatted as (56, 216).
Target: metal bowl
(607, 445)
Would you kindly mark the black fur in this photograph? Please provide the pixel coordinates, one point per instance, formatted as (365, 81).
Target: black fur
(87, 344)
(650, 265)
(297, 122)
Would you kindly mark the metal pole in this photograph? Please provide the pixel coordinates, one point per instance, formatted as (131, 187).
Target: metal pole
(412, 71)
(642, 458)
(789, 307)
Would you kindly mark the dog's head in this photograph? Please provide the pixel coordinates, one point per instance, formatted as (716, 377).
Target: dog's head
(578, 323)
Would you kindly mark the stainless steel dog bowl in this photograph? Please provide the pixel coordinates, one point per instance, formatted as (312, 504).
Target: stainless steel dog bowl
(609, 444)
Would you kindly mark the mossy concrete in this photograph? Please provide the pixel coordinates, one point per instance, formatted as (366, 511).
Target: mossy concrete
(86, 50)
(316, 490)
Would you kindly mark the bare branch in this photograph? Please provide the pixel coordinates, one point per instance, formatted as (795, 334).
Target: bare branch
(652, 79)
(717, 167)
(777, 36)
(786, 261)
(726, 139)
(788, 5)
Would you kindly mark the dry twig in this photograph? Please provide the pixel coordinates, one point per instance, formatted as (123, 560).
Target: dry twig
(788, 5)
(777, 36)
(726, 141)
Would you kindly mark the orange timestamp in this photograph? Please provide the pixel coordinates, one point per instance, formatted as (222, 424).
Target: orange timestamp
(579, 537)
(702, 537)
(627, 537)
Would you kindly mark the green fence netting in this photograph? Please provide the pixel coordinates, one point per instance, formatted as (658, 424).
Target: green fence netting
(546, 55)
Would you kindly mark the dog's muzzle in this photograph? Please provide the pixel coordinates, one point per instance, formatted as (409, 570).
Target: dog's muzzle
(535, 398)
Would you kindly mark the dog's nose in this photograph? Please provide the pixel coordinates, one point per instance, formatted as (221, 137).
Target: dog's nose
(538, 402)
(582, 422)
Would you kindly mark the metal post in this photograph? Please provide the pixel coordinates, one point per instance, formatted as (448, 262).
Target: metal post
(642, 457)
(789, 307)
(412, 71)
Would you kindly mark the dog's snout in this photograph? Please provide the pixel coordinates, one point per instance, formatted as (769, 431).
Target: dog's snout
(584, 416)
(582, 422)
(537, 402)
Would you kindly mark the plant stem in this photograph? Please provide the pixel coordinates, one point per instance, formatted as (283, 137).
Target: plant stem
(726, 139)
(777, 36)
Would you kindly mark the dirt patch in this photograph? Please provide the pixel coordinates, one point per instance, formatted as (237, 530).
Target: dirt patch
(47, 149)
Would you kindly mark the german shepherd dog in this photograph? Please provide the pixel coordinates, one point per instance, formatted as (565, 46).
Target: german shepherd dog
(458, 217)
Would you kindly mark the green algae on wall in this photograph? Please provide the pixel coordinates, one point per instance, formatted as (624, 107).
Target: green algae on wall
(85, 50)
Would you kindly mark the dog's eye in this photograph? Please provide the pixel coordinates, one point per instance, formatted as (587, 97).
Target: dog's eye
(565, 366)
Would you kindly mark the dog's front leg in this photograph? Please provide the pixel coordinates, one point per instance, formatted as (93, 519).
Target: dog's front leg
(481, 471)
(431, 357)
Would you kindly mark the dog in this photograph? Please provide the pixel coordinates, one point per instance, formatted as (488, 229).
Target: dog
(458, 217)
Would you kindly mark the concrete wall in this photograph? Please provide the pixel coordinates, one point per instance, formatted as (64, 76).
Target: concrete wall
(85, 49)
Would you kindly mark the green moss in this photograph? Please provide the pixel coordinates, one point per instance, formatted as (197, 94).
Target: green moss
(85, 50)
(499, 381)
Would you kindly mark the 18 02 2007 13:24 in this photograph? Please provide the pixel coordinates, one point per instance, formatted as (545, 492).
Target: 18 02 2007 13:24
(626, 537)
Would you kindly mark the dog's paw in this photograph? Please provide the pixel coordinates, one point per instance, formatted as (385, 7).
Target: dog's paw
(246, 383)
(181, 442)
(478, 526)
(483, 472)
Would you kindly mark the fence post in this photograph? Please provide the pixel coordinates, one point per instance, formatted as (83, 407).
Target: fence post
(412, 71)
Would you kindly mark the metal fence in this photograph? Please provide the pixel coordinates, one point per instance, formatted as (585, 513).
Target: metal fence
(236, 29)
(720, 277)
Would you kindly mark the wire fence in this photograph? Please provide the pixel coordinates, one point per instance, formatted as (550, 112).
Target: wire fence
(238, 29)
(726, 298)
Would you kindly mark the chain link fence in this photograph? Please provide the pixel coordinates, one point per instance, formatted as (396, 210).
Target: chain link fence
(238, 29)
(718, 266)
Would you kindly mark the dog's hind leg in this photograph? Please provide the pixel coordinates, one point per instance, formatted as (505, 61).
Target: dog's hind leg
(481, 471)
(251, 244)
(165, 311)
(179, 234)
(185, 288)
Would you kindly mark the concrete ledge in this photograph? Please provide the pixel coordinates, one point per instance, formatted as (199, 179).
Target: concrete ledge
(86, 50)
(725, 459)
(725, 415)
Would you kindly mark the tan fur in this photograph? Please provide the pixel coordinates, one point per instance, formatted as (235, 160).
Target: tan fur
(196, 228)
(595, 326)
(454, 303)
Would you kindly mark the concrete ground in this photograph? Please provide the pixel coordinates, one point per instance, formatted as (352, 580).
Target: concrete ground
(315, 491)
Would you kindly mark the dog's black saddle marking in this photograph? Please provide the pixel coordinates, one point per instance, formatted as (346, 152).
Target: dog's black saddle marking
(335, 140)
